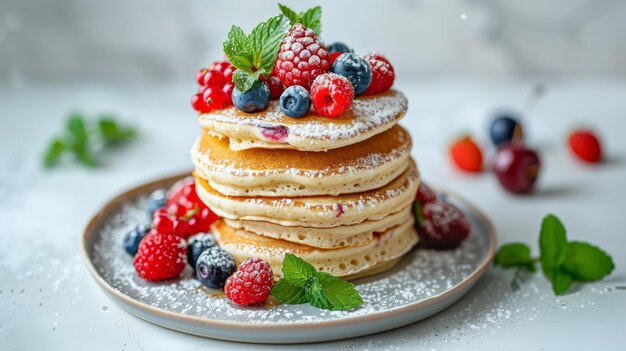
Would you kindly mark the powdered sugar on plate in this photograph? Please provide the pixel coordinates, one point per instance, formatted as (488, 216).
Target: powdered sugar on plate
(421, 275)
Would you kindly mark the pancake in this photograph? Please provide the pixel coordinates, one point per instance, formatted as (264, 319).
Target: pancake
(271, 129)
(315, 211)
(287, 173)
(349, 261)
(326, 238)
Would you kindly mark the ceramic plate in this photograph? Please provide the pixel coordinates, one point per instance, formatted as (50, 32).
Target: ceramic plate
(422, 284)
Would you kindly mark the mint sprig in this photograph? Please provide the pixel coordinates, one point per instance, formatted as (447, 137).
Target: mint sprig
(562, 262)
(301, 283)
(81, 137)
(254, 55)
(311, 18)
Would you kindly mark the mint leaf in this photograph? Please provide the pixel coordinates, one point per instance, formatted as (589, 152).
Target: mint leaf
(111, 131)
(417, 210)
(561, 281)
(586, 262)
(237, 49)
(297, 271)
(315, 295)
(312, 19)
(77, 130)
(287, 293)
(552, 242)
(265, 41)
(53, 153)
(244, 80)
(341, 294)
(515, 255)
(290, 14)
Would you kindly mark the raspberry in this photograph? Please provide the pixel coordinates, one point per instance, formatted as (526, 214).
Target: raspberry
(251, 284)
(160, 256)
(467, 155)
(586, 146)
(382, 74)
(331, 94)
(444, 226)
(301, 57)
(425, 194)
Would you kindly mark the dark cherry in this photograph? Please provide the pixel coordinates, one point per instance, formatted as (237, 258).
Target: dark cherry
(517, 167)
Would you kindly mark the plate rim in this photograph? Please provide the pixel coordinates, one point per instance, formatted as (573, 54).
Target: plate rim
(96, 220)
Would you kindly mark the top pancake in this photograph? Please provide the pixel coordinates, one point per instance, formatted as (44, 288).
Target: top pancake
(271, 129)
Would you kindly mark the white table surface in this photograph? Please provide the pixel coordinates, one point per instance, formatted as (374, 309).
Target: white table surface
(48, 300)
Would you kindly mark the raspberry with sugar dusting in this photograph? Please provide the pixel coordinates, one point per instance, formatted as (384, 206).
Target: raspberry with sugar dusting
(301, 57)
(160, 256)
(382, 73)
(251, 284)
(331, 95)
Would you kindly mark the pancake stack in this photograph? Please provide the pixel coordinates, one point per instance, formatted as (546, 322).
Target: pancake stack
(336, 192)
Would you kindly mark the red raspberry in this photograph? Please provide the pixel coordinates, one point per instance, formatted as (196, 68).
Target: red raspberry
(276, 87)
(467, 155)
(251, 284)
(444, 226)
(331, 94)
(425, 194)
(585, 145)
(382, 74)
(301, 57)
(160, 256)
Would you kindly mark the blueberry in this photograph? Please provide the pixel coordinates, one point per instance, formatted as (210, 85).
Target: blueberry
(214, 266)
(156, 200)
(255, 99)
(356, 69)
(295, 101)
(133, 238)
(504, 128)
(338, 47)
(196, 245)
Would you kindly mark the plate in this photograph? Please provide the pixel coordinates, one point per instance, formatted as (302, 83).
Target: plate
(423, 283)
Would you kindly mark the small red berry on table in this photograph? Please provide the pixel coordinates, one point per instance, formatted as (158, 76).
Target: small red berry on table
(585, 145)
(466, 155)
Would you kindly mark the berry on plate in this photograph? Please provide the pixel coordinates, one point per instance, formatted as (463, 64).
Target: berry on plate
(331, 94)
(196, 246)
(156, 200)
(425, 194)
(382, 74)
(214, 78)
(214, 97)
(585, 145)
(517, 167)
(160, 256)
(198, 104)
(255, 99)
(134, 237)
(338, 47)
(356, 69)
(505, 128)
(442, 225)
(295, 101)
(466, 155)
(228, 92)
(276, 87)
(301, 57)
(251, 284)
(214, 266)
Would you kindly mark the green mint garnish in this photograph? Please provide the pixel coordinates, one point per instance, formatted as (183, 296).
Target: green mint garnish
(301, 283)
(254, 54)
(79, 140)
(311, 18)
(562, 262)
